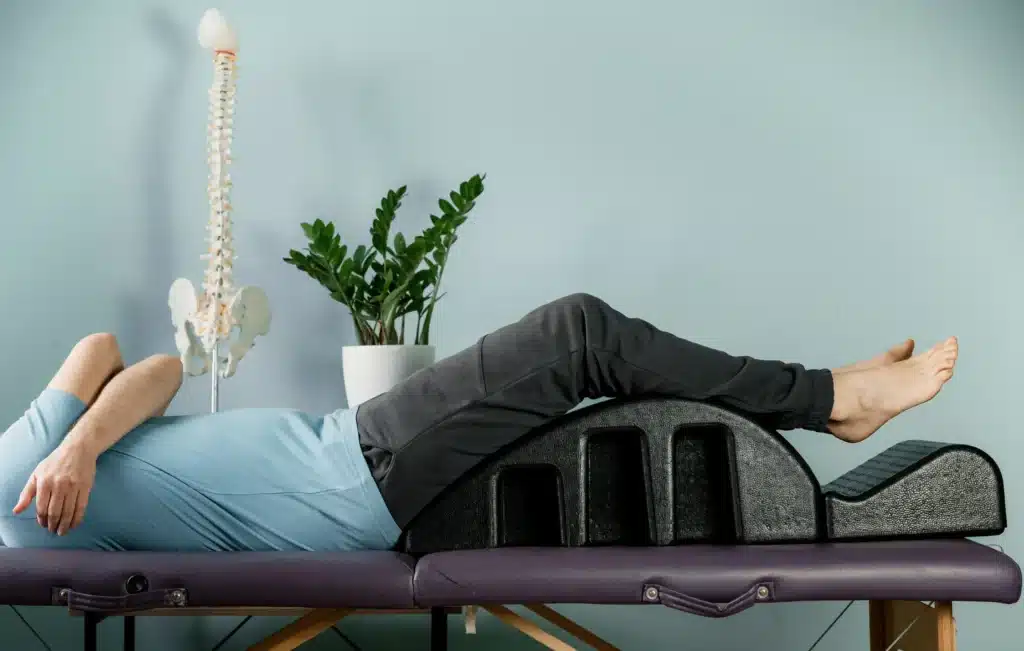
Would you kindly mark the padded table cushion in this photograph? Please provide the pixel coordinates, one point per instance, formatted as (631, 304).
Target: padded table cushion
(943, 570)
(707, 580)
(285, 579)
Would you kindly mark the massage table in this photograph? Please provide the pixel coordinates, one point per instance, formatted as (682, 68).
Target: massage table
(653, 501)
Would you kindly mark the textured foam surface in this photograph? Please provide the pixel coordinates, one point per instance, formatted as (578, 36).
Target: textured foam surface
(918, 489)
(666, 471)
(643, 472)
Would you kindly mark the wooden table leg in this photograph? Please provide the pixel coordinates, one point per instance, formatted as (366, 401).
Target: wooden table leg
(527, 627)
(877, 619)
(931, 628)
(571, 627)
(302, 630)
(946, 626)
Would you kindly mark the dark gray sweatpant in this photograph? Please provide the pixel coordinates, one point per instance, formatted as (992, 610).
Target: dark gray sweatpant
(426, 432)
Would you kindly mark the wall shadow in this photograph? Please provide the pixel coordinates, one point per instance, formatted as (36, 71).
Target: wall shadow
(145, 323)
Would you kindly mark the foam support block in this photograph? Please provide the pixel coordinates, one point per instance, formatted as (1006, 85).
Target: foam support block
(662, 471)
(918, 489)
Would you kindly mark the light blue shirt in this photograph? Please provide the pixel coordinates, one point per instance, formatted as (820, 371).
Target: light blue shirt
(238, 480)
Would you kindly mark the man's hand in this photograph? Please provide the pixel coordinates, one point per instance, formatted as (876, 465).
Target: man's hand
(60, 485)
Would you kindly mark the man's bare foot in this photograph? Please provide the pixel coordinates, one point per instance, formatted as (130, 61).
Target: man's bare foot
(868, 398)
(897, 353)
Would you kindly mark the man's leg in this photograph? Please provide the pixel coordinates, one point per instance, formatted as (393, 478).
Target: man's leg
(88, 367)
(94, 362)
(430, 429)
(441, 422)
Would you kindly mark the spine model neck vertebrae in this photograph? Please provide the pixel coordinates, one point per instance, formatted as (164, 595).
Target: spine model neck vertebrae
(205, 320)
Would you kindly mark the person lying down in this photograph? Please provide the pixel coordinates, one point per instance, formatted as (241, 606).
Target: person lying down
(95, 464)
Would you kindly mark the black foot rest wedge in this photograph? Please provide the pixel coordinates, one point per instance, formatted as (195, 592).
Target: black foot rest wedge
(663, 471)
(918, 489)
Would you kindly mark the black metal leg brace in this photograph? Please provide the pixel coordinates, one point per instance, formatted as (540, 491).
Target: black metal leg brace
(438, 629)
(129, 633)
(91, 621)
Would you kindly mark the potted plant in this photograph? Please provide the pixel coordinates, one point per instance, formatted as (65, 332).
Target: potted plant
(391, 287)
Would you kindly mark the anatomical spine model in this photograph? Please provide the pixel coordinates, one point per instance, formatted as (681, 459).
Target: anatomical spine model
(205, 321)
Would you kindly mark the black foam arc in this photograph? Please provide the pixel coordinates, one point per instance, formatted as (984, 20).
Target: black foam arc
(661, 471)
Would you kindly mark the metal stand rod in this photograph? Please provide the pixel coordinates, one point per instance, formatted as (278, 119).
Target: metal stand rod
(438, 629)
(214, 378)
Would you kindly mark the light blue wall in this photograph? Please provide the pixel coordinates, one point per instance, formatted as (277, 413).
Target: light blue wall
(812, 181)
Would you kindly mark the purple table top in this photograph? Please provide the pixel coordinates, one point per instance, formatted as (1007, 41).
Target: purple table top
(941, 570)
(698, 576)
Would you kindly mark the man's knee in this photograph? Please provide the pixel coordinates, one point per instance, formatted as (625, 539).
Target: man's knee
(584, 318)
(586, 313)
(91, 363)
(101, 346)
(580, 303)
(164, 363)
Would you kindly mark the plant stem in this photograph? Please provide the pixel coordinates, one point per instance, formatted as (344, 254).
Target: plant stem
(433, 300)
(360, 328)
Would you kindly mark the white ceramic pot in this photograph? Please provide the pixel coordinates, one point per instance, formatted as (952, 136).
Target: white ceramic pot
(372, 370)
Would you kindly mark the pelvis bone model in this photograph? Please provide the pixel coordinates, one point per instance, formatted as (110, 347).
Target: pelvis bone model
(221, 313)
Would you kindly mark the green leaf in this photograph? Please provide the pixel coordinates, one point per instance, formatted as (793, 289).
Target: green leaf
(446, 207)
(321, 242)
(457, 200)
(472, 188)
(308, 230)
(414, 250)
(367, 262)
(338, 254)
(422, 276)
